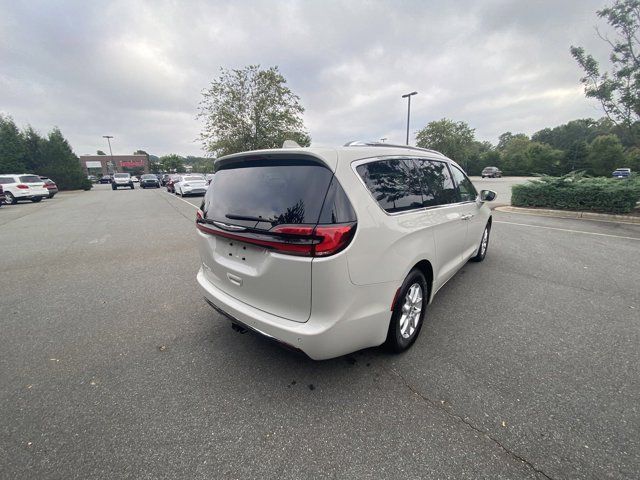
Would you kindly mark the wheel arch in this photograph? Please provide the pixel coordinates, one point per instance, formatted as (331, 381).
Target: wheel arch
(426, 268)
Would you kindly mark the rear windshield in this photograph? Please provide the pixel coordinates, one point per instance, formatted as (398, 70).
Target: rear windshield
(149, 177)
(30, 179)
(121, 175)
(5, 180)
(268, 193)
(193, 178)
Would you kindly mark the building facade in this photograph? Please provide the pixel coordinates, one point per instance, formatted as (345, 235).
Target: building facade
(107, 164)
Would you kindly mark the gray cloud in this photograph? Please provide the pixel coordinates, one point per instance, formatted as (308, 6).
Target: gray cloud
(135, 69)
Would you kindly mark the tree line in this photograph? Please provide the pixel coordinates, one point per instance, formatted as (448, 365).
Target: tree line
(26, 151)
(594, 146)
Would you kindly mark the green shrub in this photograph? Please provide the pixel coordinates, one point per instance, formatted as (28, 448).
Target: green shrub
(577, 192)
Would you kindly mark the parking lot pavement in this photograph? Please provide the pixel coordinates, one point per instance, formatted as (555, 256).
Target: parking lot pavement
(114, 367)
(502, 186)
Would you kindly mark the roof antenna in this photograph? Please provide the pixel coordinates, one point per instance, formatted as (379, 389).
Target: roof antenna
(290, 144)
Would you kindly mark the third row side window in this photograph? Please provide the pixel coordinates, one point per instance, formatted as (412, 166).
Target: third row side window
(408, 184)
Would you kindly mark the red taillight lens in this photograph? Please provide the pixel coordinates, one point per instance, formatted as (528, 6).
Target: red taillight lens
(22, 186)
(199, 215)
(293, 230)
(302, 240)
(334, 238)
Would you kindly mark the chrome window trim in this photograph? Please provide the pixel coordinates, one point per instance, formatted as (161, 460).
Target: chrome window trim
(356, 163)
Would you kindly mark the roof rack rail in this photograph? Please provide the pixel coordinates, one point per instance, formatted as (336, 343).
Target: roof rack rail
(358, 143)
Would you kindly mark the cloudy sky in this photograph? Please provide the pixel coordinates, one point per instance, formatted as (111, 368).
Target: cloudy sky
(136, 69)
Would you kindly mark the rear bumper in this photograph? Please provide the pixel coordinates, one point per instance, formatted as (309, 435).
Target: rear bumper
(361, 321)
(194, 191)
(30, 195)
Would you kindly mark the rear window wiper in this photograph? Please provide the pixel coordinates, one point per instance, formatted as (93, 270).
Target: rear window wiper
(231, 216)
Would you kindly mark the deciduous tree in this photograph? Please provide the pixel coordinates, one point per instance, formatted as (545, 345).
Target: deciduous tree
(248, 109)
(617, 90)
(453, 139)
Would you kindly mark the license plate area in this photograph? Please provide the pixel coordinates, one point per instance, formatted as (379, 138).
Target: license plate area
(239, 252)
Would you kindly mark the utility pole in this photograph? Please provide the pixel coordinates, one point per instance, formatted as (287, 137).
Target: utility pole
(109, 137)
(408, 97)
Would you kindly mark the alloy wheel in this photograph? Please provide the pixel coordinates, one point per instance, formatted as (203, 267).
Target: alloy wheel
(485, 242)
(411, 310)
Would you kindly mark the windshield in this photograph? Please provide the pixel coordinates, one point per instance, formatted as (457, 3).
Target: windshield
(121, 175)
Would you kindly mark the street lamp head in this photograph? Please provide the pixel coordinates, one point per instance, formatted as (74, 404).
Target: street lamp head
(107, 136)
(406, 95)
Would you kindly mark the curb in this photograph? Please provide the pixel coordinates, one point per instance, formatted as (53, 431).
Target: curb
(602, 217)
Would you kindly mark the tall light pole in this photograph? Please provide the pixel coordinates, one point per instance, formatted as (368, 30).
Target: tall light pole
(109, 137)
(408, 97)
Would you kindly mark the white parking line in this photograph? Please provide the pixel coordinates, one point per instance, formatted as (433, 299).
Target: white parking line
(568, 230)
(175, 196)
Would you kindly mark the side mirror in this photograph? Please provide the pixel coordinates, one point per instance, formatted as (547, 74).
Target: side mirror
(488, 195)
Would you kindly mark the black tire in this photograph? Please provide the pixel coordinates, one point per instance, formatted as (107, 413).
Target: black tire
(397, 341)
(52, 195)
(9, 199)
(483, 247)
(36, 200)
(482, 176)
(113, 187)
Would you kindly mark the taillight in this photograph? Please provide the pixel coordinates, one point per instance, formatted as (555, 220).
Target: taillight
(301, 240)
(23, 186)
(334, 238)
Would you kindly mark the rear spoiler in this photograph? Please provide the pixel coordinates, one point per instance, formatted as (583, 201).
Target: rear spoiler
(276, 157)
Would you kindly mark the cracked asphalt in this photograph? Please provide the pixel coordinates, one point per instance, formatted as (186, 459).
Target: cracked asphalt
(112, 366)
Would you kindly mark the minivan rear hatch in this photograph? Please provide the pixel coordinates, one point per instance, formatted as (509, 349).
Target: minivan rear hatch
(259, 229)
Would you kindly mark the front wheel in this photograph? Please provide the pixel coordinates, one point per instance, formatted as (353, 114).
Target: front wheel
(9, 199)
(484, 244)
(408, 312)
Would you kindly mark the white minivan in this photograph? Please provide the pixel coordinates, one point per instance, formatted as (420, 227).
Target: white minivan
(23, 187)
(329, 251)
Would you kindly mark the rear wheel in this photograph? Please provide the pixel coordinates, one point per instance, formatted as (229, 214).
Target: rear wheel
(36, 200)
(408, 313)
(9, 199)
(484, 244)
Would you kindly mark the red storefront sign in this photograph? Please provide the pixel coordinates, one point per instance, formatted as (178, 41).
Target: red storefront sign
(135, 163)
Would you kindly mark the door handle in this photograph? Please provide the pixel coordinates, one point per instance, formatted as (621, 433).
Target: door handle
(467, 217)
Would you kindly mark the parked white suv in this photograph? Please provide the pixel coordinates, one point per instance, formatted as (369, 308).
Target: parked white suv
(333, 250)
(23, 187)
(121, 180)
